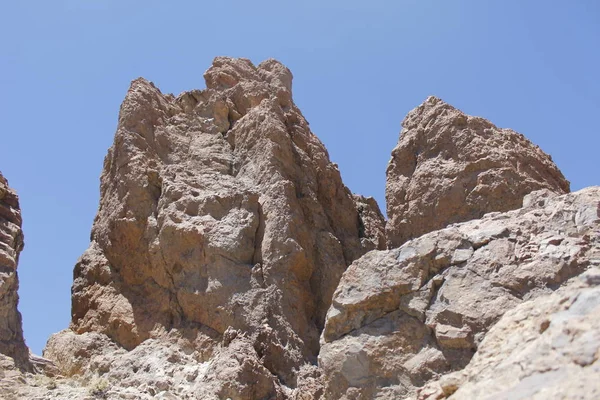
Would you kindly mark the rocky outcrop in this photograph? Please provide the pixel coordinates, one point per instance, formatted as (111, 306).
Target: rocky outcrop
(11, 244)
(547, 348)
(401, 317)
(450, 167)
(220, 212)
(371, 223)
(228, 261)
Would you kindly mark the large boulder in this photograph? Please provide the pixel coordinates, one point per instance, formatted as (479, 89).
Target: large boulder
(546, 348)
(12, 343)
(402, 317)
(220, 211)
(450, 167)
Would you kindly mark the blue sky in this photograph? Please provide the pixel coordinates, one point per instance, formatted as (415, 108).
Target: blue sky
(359, 67)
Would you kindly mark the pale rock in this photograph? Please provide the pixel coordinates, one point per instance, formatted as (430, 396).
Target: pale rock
(545, 348)
(404, 316)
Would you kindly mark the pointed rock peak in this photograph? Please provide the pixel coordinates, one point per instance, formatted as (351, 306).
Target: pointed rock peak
(433, 100)
(222, 214)
(450, 167)
(432, 108)
(226, 72)
(143, 107)
(278, 73)
(142, 86)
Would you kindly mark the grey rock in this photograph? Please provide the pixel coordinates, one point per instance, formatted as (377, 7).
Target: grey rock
(401, 317)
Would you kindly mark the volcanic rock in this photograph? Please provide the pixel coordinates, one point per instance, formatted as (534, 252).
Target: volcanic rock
(220, 212)
(371, 223)
(401, 317)
(12, 343)
(546, 348)
(450, 167)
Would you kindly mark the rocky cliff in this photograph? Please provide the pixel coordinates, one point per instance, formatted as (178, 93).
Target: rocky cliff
(229, 261)
(11, 244)
(221, 215)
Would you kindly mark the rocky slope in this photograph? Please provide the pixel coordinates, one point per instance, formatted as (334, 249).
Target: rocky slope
(228, 261)
(450, 167)
(11, 244)
(401, 317)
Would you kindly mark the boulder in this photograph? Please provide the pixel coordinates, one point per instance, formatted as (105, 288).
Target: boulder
(546, 348)
(450, 167)
(404, 316)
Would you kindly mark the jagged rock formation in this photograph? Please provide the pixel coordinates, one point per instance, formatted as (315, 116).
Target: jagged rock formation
(400, 317)
(229, 261)
(450, 167)
(220, 212)
(11, 244)
(371, 223)
(547, 348)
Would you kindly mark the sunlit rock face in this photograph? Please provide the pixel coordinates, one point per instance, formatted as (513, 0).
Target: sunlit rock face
(404, 316)
(229, 261)
(220, 211)
(450, 167)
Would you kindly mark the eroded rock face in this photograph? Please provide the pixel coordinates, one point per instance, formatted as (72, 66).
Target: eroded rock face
(546, 348)
(371, 223)
(11, 244)
(220, 211)
(450, 167)
(400, 317)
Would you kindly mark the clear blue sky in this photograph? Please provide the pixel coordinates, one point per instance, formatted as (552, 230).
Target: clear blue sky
(359, 67)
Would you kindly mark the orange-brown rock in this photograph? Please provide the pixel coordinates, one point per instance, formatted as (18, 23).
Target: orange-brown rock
(450, 167)
(220, 211)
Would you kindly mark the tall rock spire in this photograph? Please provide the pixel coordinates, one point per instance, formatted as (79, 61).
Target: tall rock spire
(12, 343)
(220, 211)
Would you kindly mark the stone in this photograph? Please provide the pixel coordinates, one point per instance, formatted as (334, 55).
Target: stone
(12, 343)
(401, 317)
(228, 261)
(449, 167)
(545, 348)
(371, 223)
(220, 215)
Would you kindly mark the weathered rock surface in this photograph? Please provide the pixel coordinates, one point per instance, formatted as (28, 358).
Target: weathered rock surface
(220, 211)
(227, 255)
(11, 244)
(402, 317)
(450, 167)
(371, 223)
(547, 348)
